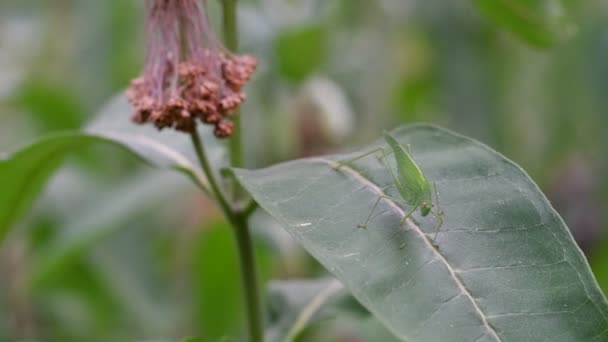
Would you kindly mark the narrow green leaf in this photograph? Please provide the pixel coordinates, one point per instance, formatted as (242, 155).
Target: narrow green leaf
(503, 268)
(25, 172)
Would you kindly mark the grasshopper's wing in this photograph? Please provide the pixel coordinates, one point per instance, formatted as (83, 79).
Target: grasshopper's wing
(411, 182)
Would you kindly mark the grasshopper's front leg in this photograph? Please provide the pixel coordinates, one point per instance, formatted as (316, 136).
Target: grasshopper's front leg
(371, 215)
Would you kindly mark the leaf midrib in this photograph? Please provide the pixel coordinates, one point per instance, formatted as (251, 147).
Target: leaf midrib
(464, 291)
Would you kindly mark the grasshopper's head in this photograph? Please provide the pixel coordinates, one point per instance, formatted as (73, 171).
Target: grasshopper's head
(425, 208)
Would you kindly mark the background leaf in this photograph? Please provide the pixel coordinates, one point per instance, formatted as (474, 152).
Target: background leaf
(44, 101)
(505, 267)
(542, 23)
(217, 284)
(300, 51)
(107, 214)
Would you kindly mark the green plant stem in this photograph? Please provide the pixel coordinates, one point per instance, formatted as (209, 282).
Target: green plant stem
(215, 188)
(230, 24)
(250, 208)
(232, 43)
(239, 223)
(249, 280)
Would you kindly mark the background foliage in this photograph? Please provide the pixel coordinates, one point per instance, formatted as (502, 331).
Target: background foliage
(528, 80)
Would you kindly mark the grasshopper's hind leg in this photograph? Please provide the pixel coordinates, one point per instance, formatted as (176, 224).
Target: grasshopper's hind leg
(408, 215)
(369, 217)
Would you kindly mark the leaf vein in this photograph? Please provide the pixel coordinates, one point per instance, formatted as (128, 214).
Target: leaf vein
(511, 266)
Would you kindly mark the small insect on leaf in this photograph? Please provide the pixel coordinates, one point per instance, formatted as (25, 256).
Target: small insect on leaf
(412, 185)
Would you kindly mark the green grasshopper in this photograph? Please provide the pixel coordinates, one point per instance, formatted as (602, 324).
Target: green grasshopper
(413, 187)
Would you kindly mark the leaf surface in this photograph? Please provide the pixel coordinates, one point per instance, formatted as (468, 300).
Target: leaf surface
(503, 268)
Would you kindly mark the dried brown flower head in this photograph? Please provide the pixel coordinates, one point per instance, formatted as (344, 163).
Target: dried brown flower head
(188, 74)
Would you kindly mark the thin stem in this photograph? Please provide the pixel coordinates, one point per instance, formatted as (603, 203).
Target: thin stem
(238, 221)
(215, 188)
(230, 24)
(232, 43)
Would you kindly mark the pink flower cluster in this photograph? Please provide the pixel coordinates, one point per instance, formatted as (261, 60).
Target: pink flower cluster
(188, 74)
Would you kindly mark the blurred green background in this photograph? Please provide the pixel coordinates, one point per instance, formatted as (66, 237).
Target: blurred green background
(115, 251)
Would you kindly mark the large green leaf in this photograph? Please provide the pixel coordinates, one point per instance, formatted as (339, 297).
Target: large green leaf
(541, 22)
(25, 172)
(503, 268)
